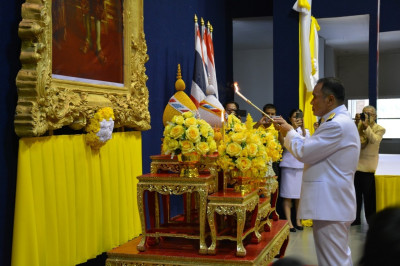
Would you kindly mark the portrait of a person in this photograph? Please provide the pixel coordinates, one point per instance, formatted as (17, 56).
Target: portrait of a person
(87, 40)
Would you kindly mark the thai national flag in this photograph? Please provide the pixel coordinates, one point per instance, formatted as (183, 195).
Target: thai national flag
(210, 63)
(199, 82)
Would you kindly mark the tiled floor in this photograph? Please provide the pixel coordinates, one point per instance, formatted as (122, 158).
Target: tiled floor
(301, 244)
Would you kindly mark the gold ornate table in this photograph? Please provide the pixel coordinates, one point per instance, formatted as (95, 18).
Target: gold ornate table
(231, 203)
(173, 184)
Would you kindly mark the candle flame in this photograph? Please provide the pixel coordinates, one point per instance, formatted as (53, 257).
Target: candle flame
(235, 84)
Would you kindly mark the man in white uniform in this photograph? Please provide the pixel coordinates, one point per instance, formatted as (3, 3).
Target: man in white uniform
(330, 158)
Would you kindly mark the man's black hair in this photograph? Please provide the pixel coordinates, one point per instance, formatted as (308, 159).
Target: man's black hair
(333, 86)
(235, 103)
(269, 106)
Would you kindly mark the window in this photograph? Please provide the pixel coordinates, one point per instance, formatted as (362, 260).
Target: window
(388, 114)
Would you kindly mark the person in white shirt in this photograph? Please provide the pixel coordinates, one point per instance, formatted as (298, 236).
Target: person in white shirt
(330, 158)
(292, 172)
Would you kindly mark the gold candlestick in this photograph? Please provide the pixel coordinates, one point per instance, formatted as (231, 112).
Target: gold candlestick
(249, 102)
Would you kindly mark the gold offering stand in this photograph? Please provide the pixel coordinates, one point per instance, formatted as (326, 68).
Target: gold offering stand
(245, 208)
(230, 202)
(166, 179)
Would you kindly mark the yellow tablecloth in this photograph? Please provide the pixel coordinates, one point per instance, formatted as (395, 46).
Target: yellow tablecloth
(72, 202)
(387, 191)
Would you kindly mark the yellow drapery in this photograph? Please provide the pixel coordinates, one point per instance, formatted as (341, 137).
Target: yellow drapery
(305, 96)
(73, 203)
(387, 191)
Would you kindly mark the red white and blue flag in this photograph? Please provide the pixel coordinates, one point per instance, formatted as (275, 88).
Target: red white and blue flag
(210, 63)
(199, 82)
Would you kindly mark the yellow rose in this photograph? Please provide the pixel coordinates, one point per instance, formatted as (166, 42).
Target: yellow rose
(221, 150)
(252, 149)
(193, 134)
(187, 146)
(253, 138)
(213, 145)
(258, 163)
(204, 130)
(178, 119)
(233, 149)
(167, 129)
(191, 121)
(203, 147)
(239, 137)
(238, 127)
(202, 122)
(176, 132)
(187, 114)
(225, 162)
(173, 144)
(243, 163)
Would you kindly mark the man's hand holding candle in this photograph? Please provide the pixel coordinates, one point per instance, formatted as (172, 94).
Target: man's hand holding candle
(281, 125)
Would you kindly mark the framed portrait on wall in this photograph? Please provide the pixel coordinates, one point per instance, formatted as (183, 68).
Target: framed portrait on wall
(78, 56)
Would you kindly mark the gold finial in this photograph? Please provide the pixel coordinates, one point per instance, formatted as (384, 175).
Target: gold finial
(179, 74)
(195, 18)
(179, 84)
(208, 24)
(211, 28)
(202, 22)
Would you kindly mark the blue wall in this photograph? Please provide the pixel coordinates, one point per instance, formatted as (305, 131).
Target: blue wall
(170, 41)
(10, 16)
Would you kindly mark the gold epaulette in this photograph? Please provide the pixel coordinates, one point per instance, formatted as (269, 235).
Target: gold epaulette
(330, 117)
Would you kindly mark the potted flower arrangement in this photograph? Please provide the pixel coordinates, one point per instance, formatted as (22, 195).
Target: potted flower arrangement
(188, 137)
(245, 152)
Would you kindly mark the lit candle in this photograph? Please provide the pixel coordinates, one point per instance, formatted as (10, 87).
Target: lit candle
(223, 125)
(248, 101)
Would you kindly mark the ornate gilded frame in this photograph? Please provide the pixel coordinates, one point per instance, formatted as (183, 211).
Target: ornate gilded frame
(46, 104)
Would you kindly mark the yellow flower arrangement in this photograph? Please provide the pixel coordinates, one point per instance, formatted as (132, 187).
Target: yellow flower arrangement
(100, 128)
(269, 137)
(242, 148)
(185, 134)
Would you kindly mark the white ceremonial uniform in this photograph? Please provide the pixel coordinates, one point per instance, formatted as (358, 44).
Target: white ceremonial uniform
(330, 158)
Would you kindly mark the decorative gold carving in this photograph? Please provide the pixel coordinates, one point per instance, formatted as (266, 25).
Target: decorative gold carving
(175, 185)
(237, 207)
(45, 103)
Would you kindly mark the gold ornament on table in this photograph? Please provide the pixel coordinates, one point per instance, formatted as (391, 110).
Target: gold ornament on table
(188, 138)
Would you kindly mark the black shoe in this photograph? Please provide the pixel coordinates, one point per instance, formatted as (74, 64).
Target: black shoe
(292, 229)
(356, 222)
(299, 227)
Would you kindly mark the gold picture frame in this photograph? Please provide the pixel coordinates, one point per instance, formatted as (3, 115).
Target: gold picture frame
(46, 103)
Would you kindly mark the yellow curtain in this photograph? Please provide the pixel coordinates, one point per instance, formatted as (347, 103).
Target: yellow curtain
(73, 203)
(387, 191)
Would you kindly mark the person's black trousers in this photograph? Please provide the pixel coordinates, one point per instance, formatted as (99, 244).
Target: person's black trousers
(364, 184)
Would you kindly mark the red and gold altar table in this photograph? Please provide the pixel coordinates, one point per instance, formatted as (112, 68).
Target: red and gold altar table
(174, 184)
(178, 251)
(234, 203)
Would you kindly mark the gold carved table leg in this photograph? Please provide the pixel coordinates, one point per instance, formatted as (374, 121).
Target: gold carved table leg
(202, 219)
(142, 245)
(211, 223)
(241, 218)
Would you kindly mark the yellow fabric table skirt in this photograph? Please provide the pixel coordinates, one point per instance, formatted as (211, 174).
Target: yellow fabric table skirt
(73, 203)
(387, 191)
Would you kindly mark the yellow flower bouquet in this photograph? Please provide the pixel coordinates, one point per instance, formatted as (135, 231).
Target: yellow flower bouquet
(100, 128)
(186, 135)
(242, 149)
